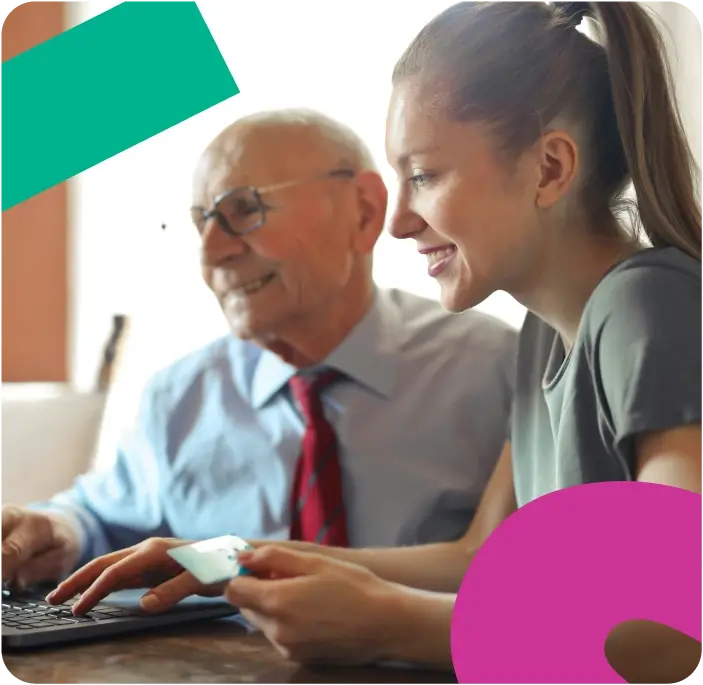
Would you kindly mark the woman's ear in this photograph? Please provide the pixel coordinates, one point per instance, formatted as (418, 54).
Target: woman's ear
(372, 196)
(558, 165)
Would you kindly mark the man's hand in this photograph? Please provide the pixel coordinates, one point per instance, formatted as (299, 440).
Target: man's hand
(36, 547)
(145, 565)
(313, 608)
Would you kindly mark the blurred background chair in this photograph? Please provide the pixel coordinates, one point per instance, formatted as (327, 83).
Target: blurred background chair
(51, 432)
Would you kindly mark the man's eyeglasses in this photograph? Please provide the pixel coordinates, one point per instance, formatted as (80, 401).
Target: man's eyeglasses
(242, 210)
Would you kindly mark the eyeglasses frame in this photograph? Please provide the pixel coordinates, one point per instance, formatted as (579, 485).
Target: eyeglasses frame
(257, 192)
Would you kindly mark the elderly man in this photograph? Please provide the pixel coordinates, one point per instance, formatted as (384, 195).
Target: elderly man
(336, 412)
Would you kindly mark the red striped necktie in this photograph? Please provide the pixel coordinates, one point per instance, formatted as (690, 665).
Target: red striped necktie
(317, 503)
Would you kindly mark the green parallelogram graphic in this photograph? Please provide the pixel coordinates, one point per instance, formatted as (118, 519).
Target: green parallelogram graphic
(102, 87)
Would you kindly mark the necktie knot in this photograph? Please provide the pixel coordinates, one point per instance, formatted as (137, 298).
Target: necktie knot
(307, 391)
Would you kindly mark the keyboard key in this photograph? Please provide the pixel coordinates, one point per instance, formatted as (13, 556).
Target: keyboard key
(55, 622)
(116, 611)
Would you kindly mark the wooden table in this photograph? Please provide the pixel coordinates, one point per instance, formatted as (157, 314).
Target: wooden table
(212, 652)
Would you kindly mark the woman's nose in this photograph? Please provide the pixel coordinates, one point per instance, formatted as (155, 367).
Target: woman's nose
(405, 223)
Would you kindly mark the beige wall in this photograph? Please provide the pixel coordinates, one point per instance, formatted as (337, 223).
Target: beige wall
(683, 39)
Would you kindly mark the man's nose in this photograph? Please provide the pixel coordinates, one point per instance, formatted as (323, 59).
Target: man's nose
(218, 245)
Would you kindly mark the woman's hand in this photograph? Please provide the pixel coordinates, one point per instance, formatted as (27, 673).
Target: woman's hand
(313, 608)
(144, 565)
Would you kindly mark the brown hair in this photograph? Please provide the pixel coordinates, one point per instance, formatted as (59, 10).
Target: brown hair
(519, 66)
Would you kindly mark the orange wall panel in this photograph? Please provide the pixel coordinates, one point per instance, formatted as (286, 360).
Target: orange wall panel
(34, 243)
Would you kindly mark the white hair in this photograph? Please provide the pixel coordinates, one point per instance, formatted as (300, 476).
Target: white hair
(345, 140)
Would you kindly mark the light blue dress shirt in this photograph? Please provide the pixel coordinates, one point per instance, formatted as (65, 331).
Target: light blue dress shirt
(420, 427)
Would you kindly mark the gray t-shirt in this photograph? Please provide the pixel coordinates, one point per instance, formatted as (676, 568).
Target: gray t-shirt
(635, 366)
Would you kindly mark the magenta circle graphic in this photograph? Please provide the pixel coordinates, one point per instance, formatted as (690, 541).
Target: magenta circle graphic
(546, 588)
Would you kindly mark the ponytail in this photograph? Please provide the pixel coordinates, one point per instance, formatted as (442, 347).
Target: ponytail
(659, 160)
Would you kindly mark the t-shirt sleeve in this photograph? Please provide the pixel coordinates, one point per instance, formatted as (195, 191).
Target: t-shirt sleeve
(644, 334)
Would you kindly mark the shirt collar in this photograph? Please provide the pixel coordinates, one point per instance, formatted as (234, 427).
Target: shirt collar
(368, 355)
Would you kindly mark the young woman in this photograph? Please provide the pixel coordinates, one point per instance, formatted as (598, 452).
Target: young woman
(516, 137)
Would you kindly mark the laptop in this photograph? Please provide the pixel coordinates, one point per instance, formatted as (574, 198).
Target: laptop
(28, 621)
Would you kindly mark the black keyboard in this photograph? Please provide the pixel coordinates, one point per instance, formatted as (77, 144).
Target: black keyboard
(28, 621)
(24, 614)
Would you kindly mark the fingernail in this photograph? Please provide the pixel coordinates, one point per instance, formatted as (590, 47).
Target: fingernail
(50, 596)
(149, 602)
